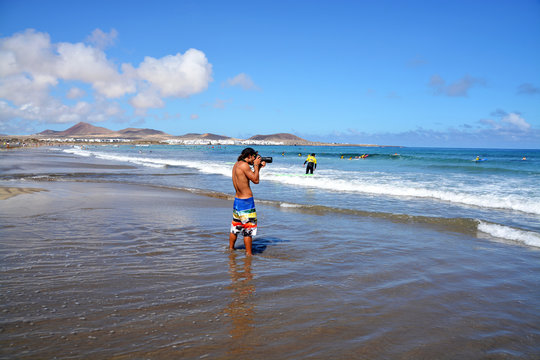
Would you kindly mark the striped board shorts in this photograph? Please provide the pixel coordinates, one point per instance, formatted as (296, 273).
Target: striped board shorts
(244, 217)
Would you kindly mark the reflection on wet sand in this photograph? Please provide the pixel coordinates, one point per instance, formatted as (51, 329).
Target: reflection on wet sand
(241, 309)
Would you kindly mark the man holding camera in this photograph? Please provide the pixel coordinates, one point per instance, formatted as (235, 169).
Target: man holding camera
(244, 214)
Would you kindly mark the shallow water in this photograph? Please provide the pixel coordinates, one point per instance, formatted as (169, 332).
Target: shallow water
(112, 270)
(503, 192)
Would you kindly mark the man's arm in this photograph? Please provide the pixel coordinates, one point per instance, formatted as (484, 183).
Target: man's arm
(253, 175)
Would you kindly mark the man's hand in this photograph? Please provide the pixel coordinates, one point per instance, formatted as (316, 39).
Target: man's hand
(258, 163)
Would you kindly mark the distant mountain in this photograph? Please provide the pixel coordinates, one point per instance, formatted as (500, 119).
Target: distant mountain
(49, 133)
(281, 137)
(207, 136)
(288, 139)
(214, 137)
(81, 129)
(140, 132)
(85, 129)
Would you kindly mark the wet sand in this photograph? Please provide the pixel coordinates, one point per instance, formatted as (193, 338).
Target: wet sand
(123, 271)
(7, 192)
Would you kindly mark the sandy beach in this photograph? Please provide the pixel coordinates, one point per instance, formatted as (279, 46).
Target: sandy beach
(7, 192)
(95, 268)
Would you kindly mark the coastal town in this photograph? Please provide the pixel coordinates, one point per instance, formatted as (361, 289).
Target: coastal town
(8, 142)
(84, 133)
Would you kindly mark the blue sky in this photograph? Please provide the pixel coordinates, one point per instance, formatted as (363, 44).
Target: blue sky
(413, 73)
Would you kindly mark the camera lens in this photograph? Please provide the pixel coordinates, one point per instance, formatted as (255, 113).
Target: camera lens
(266, 159)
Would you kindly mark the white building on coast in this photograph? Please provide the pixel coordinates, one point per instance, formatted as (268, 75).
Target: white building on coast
(219, 142)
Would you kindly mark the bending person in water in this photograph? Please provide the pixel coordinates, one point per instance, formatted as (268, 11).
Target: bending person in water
(311, 163)
(244, 214)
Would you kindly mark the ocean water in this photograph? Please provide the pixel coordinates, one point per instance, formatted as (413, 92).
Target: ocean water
(497, 198)
(406, 254)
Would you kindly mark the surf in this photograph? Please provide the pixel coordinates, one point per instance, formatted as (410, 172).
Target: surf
(377, 183)
(472, 227)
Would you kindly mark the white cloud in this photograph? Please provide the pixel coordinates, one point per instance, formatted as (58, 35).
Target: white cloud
(21, 88)
(507, 122)
(516, 121)
(31, 67)
(244, 81)
(90, 65)
(459, 88)
(101, 39)
(28, 51)
(75, 93)
(178, 75)
(194, 116)
(147, 99)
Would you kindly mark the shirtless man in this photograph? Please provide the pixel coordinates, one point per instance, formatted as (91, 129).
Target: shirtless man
(244, 214)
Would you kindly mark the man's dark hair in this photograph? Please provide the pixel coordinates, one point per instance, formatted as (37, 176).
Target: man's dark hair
(246, 152)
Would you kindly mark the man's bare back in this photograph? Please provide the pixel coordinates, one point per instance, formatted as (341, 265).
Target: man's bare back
(242, 175)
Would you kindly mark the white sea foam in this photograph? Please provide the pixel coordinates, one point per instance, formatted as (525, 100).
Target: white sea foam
(156, 162)
(289, 205)
(389, 186)
(372, 183)
(505, 232)
(78, 151)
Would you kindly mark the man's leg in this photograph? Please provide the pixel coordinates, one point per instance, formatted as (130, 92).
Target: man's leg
(247, 242)
(232, 240)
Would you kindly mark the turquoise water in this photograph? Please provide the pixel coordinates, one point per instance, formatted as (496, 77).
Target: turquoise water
(496, 198)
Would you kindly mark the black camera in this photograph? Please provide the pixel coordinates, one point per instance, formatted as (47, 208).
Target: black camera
(266, 159)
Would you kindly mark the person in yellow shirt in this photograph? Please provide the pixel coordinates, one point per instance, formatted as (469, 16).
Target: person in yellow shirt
(311, 163)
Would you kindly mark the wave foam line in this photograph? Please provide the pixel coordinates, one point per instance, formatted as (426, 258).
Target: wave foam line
(330, 183)
(397, 190)
(505, 232)
(204, 167)
(460, 225)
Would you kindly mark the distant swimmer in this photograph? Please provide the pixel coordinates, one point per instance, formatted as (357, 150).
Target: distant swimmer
(311, 163)
(342, 156)
(283, 153)
(524, 158)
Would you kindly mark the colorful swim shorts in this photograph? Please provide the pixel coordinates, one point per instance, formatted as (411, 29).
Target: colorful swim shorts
(244, 217)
